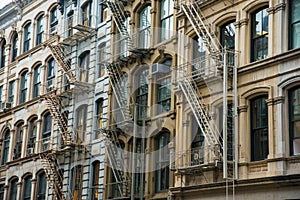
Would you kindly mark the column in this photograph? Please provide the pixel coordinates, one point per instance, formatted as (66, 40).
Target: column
(19, 184)
(271, 29)
(5, 196)
(243, 140)
(29, 82)
(16, 92)
(244, 37)
(33, 35)
(11, 145)
(47, 25)
(43, 79)
(20, 41)
(271, 132)
(38, 136)
(24, 141)
(7, 53)
(33, 185)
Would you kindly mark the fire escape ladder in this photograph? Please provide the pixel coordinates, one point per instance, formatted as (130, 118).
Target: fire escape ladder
(120, 15)
(115, 76)
(210, 133)
(201, 26)
(52, 175)
(53, 103)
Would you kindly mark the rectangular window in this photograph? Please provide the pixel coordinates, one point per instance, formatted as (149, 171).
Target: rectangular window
(70, 25)
(166, 19)
(11, 92)
(27, 37)
(53, 21)
(40, 30)
(294, 109)
(164, 95)
(294, 24)
(86, 14)
(23, 88)
(259, 129)
(36, 82)
(259, 35)
(1, 192)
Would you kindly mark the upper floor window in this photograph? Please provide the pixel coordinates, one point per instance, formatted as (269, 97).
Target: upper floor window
(5, 151)
(166, 19)
(27, 188)
(50, 73)
(199, 51)
(259, 129)
(164, 86)
(39, 30)
(76, 182)
(36, 81)
(47, 125)
(32, 136)
(145, 23)
(228, 40)
(103, 11)
(294, 24)
(99, 112)
(294, 115)
(197, 146)
(142, 95)
(53, 20)
(70, 23)
(124, 40)
(11, 92)
(23, 87)
(259, 35)
(18, 141)
(81, 118)
(102, 59)
(162, 162)
(13, 189)
(95, 183)
(41, 186)
(86, 14)
(2, 53)
(14, 47)
(84, 64)
(27, 37)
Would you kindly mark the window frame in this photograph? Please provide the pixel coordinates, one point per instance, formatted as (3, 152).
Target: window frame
(13, 188)
(77, 181)
(53, 20)
(32, 133)
(18, 141)
(23, 87)
(27, 37)
(168, 18)
(2, 53)
(144, 28)
(291, 25)
(95, 179)
(14, 47)
(81, 118)
(292, 121)
(40, 26)
(11, 91)
(86, 14)
(27, 187)
(36, 81)
(41, 191)
(84, 66)
(5, 148)
(142, 94)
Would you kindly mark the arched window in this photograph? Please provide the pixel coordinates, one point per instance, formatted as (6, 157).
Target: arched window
(259, 128)
(5, 151)
(95, 186)
(47, 127)
(76, 182)
(2, 192)
(41, 186)
(228, 40)
(2, 53)
(18, 140)
(164, 85)
(81, 115)
(162, 161)
(199, 51)
(142, 95)
(13, 188)
(23, 87)
(70, 16)
(53, 20)
(259, 34)
(36, 81)
(294, 120)
(145, 23)
(14, 47)
(166, 19)
(84, 65)
(50, 74)
(40, 26)
(86, 15)
(11, 92)
(27, 37)
(102, 59)
(32, 136)
(99, 112)
(27, 187)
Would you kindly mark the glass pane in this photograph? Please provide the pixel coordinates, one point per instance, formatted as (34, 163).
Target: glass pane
(296, 35)
(295, 7)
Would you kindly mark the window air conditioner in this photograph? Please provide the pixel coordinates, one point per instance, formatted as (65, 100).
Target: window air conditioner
(30, 151)
(159, 68)
(6, 105)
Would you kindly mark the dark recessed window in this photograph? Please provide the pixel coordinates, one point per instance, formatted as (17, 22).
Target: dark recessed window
(166, 19)
(5, 147)
(142, 95)
(14, 47)
(23, 87)
(294, 24)
(27, 37)
(2, 53)
(294, 110)
(36, 81)
(39, 30)
(53, 20)
(41, 186)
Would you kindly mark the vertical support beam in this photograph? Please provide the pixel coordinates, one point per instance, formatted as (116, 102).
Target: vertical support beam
(235, 122)
(225, 86)
(142, 161)
(133, 152)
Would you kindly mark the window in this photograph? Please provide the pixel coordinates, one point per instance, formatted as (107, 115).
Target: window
(103, 12)
(41, 186)
(23, 87)
(13, 188)
(1, 192)
(166, 19)
(36, 81)
(76, 182)
(5, 147)
(95, 186)
(11, 92)
(197, 146)
(228, 40)
(50, 74)
(259, 129)
(294, 23)
(27, 188)
(84, 64)
(164, 86)
(70, 24)
(47, 127)
(14, 47)
(142, 95)
(140, 165)
(81, 115)
(124, 40)
(39, 30)
(32, 136)
(27, 37)
(53, 20)
(99, 112)
(199, 51)
(102, 59)
(294, 111)
(86, 14)
(144, 32)
(259, 35)
(2, 53)
(162, 162)
(18, 141)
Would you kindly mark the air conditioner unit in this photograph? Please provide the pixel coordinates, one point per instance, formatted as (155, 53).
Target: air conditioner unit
(6, 105)
(160, 68)
(30, 151)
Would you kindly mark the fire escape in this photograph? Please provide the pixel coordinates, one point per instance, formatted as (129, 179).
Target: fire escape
(187, 83)
(55, 99)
